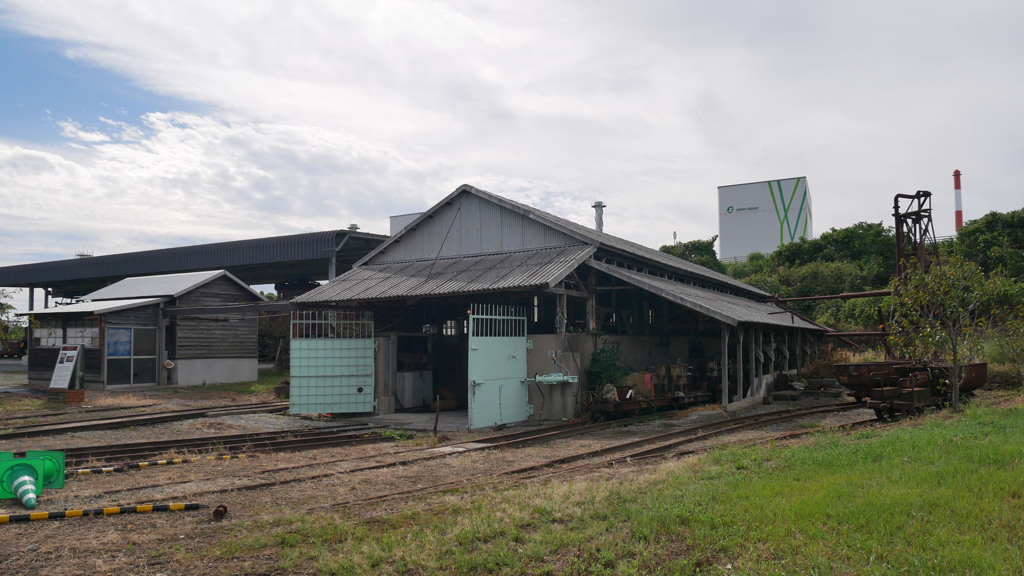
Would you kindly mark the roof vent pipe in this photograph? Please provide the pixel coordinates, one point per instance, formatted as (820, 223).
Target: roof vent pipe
(353, 227)
(599, 215)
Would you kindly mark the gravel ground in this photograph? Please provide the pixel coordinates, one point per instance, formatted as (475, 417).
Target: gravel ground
(165, 543)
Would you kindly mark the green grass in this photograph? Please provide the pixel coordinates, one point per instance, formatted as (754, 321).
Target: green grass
(945, 496)
(21, 403)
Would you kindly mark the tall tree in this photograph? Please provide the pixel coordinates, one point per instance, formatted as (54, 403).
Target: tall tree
(941, 314)
(7, 324)
(700, 252)
(996, 240)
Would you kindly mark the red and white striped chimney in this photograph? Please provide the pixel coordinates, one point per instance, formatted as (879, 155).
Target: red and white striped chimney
(959, 201)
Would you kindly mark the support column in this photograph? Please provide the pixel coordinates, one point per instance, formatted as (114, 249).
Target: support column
(562, 314)
(161, 347)
(775, 356)
(785, 349)
(739, 365)
(799, 355)
(760, 353)
(591, 304)
(725, 367)
(753, 361)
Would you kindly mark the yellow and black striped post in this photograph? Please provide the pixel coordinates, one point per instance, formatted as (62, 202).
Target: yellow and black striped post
(109, 511)
(140, 465)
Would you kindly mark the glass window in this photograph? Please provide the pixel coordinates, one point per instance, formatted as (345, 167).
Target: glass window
(119, 342)
(84, 332)
(143, 370)
(119, 371)
(131, 356)
(49, 334)
(144, 342)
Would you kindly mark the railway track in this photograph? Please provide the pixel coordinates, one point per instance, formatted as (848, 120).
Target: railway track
(554, 467)
(395, 459)
(662, 443)
(106, 423)
(644, 447)
(13, 417)
(276, 441)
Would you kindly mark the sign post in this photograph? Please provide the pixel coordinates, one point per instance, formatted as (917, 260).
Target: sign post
(67, 376)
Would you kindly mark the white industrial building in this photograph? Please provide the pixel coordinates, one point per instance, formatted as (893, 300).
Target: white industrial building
(761, 216)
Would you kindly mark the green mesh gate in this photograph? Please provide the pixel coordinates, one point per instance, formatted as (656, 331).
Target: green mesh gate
(497, 366)
(331, 362)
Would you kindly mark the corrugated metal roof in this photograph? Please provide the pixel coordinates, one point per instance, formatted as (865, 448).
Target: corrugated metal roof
(101, 307)
(170, 285)
(256, 261)
(466, 274)
(585, 234)
(726, 308)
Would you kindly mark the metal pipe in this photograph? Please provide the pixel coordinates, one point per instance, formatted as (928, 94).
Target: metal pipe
(852, 334)
(599, 215)
(843, 296)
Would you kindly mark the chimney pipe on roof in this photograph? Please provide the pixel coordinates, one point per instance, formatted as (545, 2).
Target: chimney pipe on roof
(599, 215)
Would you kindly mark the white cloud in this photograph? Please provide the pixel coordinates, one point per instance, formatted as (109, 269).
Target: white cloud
(73, 130)
(322, 114)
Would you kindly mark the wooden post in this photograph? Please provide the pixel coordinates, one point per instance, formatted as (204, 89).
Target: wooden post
(739, 364)
(785, 349)
(799, 355)
(760, 353)
(161, 347)
(753, 361)
(725, 366)
(437, 413)
(591, 304)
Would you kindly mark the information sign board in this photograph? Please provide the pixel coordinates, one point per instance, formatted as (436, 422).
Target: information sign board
(64, 371)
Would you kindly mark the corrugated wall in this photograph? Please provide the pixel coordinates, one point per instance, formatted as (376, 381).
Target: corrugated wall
(471, 225)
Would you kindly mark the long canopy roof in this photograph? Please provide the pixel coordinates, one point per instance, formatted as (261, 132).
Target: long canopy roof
(258, 261)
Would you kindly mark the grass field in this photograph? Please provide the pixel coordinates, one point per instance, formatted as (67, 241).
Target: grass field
(939, 495)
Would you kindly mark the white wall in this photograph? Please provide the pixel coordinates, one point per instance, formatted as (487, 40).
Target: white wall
(761, 216)
(193, 372)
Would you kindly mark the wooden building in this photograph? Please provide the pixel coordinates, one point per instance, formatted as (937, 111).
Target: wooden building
(139, 332)
(499, 308)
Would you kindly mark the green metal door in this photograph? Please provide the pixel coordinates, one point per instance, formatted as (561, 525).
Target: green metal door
(497, 366)
(331, 362)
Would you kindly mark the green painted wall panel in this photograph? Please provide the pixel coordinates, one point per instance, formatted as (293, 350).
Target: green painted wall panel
(332, 375)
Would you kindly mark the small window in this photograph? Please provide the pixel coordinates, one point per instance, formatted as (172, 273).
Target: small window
(49, 334)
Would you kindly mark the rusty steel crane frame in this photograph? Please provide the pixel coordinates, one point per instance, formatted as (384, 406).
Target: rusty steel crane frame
(915, 233)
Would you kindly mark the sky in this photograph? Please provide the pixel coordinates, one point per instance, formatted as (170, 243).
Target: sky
(130, 125)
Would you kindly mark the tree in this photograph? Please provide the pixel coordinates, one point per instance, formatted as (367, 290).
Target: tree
(941, 314)
(701, 252)
(9, 327)
(862, 241)
(996, 240)
(853, 259)
(1009, 337)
